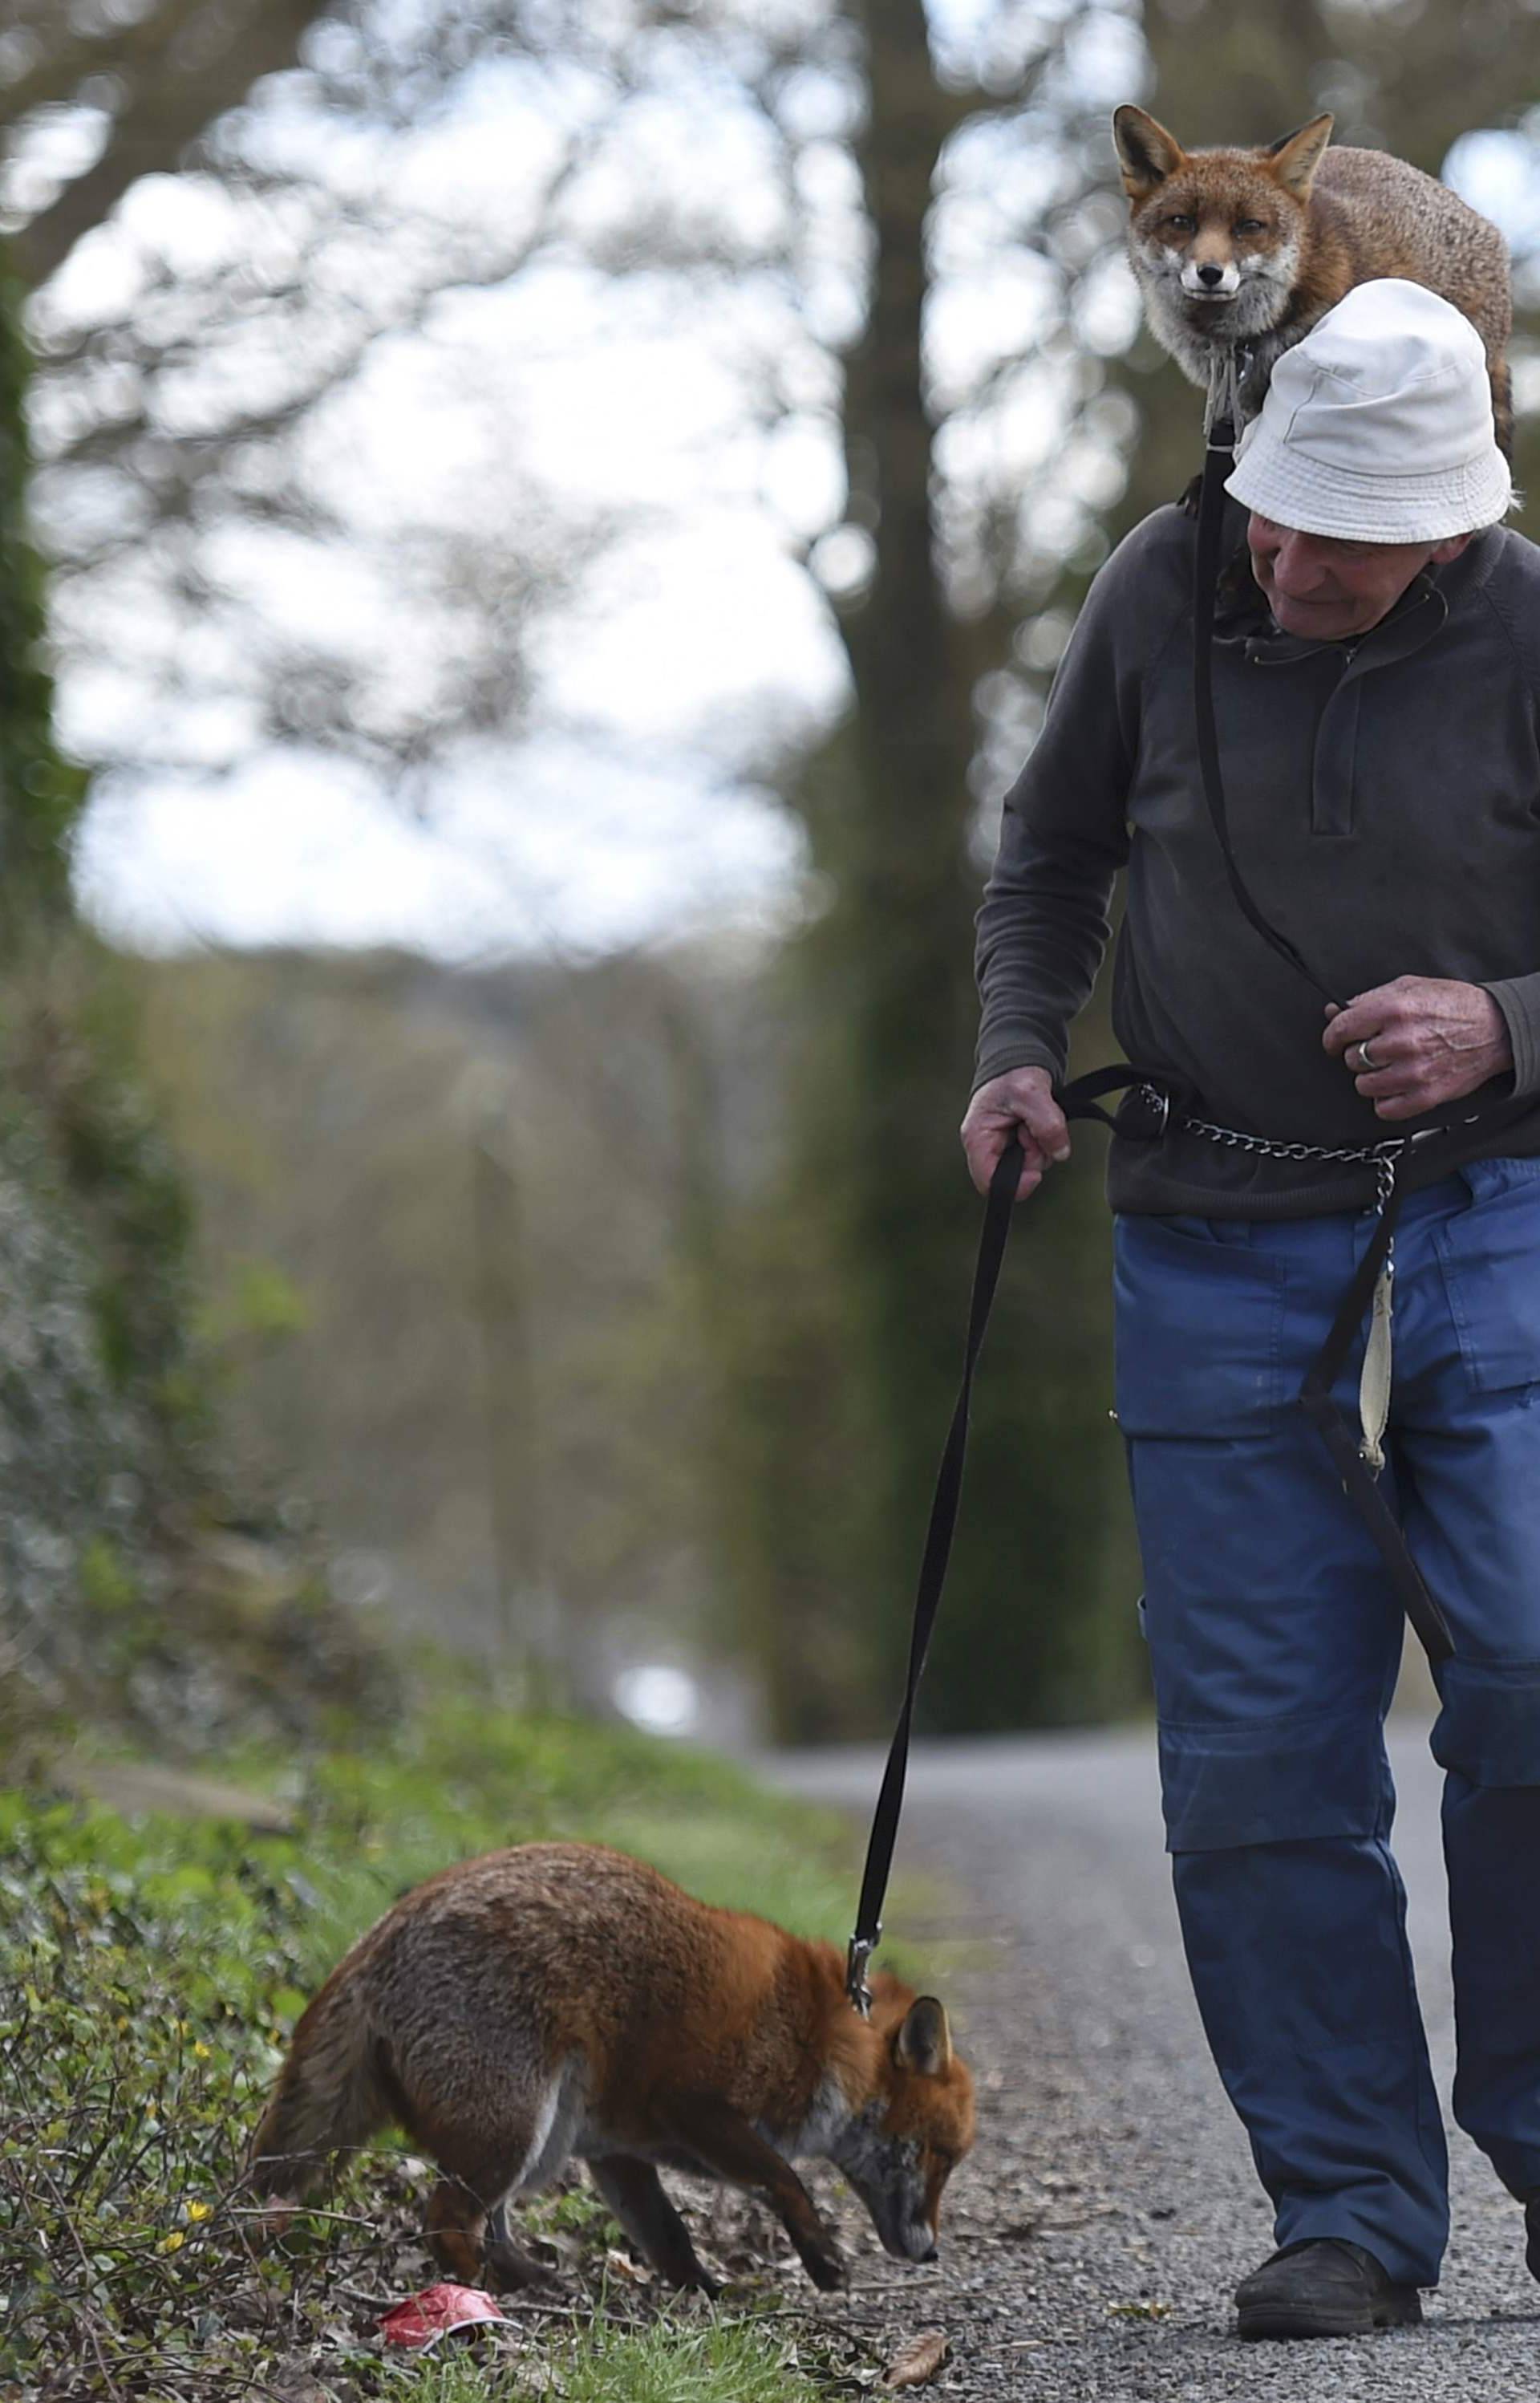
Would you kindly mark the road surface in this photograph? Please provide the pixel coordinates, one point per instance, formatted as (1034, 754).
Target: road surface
(1110, 2204)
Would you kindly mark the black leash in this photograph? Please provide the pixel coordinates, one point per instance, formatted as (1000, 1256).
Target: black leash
(1358, 1481)
(1077, 1101)
(1218, 459)
(1080, 1100)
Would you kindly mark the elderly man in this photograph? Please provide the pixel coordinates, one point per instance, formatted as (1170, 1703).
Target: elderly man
(1377, 690)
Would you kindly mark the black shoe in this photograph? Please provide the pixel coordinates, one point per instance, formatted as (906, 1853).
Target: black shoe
(1532, 2229)
(1323, 2288)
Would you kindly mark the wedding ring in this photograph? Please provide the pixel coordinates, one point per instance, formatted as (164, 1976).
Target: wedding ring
(1364, 1060)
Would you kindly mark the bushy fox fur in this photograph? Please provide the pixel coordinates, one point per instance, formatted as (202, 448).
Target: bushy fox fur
(561, 2000)
(1253, 245)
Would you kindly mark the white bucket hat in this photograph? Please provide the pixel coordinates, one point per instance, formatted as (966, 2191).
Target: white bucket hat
(1378, 426)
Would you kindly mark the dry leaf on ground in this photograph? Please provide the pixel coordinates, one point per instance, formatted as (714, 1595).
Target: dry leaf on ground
(919, 2360)
(622, 2266)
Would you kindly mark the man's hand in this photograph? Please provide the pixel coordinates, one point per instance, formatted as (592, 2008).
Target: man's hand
(1430, 1041)
(1020, 1103)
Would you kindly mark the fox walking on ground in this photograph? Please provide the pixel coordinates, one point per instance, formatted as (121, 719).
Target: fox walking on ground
(1252, 246)
(562, 2000)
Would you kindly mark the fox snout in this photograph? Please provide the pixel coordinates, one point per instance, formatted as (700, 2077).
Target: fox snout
(1211, 279)
(902, 2228)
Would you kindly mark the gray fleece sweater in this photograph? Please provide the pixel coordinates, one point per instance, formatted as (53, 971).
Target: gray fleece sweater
(1384, 810)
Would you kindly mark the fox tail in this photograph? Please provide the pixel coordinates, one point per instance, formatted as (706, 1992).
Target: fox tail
(329, 2096)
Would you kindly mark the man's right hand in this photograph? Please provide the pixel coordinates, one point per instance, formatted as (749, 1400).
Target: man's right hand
(1021, 1103)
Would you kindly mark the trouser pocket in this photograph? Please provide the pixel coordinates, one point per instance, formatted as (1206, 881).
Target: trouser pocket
(1273, 1782)
(1489, 1726)
(1200, 1331)
(1489, 1255)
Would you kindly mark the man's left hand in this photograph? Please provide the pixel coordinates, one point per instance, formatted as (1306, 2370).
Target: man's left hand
(1430, 1041)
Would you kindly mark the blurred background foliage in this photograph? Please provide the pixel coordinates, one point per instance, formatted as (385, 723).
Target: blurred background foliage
(601, 1309)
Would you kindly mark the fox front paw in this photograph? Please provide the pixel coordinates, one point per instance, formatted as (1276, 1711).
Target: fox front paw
(823, 2266)
(507, 2268)
(265, 2223)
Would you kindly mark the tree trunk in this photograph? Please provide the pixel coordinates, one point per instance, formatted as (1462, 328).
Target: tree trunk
(890, 1016)
(906, 888)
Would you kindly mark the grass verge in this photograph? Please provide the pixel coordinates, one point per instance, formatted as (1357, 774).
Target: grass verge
(608, 2363)
(150, 1972)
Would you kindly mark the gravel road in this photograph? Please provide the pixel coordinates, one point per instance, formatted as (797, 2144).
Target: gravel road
(1090, 2243)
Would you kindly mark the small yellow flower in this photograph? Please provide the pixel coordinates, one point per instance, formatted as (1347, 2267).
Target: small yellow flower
(173, 2243)
(202, 2053)
(197, 2211)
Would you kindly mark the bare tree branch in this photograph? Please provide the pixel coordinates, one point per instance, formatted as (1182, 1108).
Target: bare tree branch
(70, 55)
(207, 64)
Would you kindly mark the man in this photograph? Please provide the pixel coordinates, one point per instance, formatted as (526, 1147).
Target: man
(1377, 689)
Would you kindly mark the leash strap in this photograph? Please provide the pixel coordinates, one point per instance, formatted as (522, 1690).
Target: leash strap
(1076, 1100)
(1315, 1395)
(1346, 1449)
(1218, 459)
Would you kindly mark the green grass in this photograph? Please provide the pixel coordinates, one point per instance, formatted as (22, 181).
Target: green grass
(150, 1972)
(707, 2362)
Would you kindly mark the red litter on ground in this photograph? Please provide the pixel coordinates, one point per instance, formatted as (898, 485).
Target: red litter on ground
(436, 2312)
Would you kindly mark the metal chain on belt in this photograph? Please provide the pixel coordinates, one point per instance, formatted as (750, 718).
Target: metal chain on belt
(1374, 1389)
(1381, 1157)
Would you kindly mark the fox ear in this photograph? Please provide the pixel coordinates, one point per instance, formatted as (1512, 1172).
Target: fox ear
(924, 2040)
(1146, 153)
(1294, 159)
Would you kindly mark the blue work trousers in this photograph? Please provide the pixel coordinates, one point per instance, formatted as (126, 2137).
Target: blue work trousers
(1274, 1641)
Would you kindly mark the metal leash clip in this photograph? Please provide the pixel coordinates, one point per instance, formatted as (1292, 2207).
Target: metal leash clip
(861, 1949)
(1223, 415)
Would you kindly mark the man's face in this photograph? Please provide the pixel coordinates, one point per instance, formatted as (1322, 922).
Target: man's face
(1331, 591)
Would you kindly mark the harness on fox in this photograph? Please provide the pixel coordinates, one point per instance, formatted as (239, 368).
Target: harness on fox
(1149, 1107)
